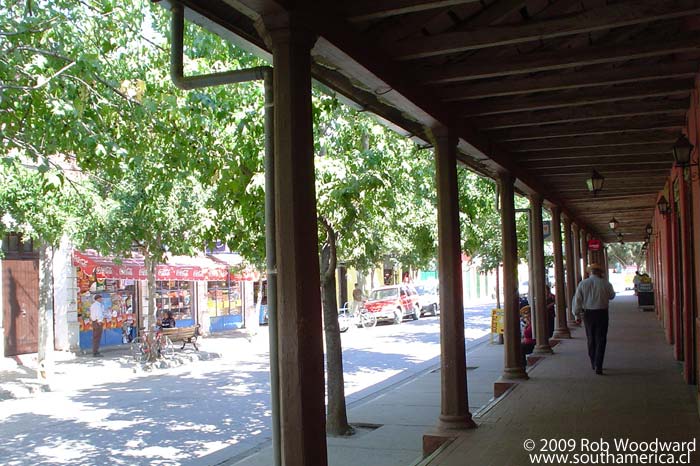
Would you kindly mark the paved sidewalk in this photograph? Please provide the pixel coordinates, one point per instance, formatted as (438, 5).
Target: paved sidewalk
(641, 397)
(392, 421)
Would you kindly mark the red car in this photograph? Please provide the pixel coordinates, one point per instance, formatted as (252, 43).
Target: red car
(394, 302)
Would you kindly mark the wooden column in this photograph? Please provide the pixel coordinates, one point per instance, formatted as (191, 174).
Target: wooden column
(454, 406)
(538, 276)
(584, 253)
(302, 394)
(570, 270)
(513, 365)
(686, 281)
(561, 330)
(667, 255)
(577, 253)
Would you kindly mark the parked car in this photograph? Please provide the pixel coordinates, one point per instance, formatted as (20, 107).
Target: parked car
(394, 302)
(428, 298)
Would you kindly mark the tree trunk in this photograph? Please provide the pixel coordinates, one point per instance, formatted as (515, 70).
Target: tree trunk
(46, 337)
(337, 418)
(147, 322)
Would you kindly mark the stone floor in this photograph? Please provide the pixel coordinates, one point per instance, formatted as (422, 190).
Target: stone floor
(640, 397)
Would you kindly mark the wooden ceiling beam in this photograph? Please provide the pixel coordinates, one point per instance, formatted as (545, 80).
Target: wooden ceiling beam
(648, 169)
(597, 161)
(494, 13)
(557, 60)
(564, 81)
(607, 17)
(624, 109)
(624, 92)
(573, 142)
(588, 128)
(615, 151)
(366, 10)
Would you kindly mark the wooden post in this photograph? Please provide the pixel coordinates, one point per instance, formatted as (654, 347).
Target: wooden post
(513, 365)
(538, 273)
(570, 270)
(577, 253)
(561, 330)
(584, 253)
(302, 394)
(454, 406)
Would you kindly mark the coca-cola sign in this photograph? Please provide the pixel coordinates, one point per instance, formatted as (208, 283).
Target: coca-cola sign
(594, 245)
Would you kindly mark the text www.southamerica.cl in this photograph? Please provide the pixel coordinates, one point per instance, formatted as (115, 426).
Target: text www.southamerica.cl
(615, 451)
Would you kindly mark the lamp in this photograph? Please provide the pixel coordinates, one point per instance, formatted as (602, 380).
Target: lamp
(682, 150)
(595, 182)
(662, 205)
(613, 223)
(648, 229)
(619, 238)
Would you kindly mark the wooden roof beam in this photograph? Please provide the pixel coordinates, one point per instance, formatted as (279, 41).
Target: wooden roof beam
(575, 80)
(605, 151)
(598, 161)
(366, 10)
(588, 128)
(573, 142)
(558, 60)
(610, 16)
(624, 92)
(584, 113)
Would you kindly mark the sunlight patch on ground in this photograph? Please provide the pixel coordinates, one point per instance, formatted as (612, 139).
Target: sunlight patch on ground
(207, 448)
(193, 427)
(169, 453)
(66, 452)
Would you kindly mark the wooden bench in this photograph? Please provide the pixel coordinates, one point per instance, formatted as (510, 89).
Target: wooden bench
(183, 334)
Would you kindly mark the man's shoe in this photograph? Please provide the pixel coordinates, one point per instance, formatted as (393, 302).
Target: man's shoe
(599, 371)
(97, 355)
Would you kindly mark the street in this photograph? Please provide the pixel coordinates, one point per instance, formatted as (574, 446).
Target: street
(202, 412)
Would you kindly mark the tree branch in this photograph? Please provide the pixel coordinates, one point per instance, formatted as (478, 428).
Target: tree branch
(330, 240)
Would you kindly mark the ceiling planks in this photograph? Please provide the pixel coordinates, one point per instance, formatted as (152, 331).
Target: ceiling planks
(610, 16)
(545, 89)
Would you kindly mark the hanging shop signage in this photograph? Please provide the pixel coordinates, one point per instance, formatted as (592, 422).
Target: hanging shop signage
(594, 245)
(178, 268)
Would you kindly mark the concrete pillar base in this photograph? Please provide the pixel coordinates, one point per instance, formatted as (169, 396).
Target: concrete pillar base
(514, 373)
(502, 386)
(451, 423)
(543, 349)
(532, 360)
(562, 334)
(434, 440)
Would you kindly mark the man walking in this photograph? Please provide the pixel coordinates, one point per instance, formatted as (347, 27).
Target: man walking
(96, 316)
(591, 299)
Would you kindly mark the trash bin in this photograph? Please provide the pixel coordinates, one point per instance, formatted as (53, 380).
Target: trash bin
(645, 296)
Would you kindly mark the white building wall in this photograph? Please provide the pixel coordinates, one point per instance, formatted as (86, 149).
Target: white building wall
(66, 327)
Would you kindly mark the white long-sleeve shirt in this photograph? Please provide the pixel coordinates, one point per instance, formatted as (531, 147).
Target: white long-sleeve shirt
(96, 311)
(592, 293)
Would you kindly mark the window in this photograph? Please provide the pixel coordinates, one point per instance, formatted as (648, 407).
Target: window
(224, 298)
(174, 296)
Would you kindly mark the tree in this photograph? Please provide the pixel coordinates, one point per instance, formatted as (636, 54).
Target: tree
(623, 255)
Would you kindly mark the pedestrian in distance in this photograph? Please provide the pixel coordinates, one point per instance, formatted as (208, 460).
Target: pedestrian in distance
(591, 300)
(97, 317)
(358, 298)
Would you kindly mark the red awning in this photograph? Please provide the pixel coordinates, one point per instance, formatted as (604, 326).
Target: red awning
(132, 268)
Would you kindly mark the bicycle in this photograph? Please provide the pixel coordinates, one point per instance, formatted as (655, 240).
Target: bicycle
(152, 343)
(363, 318)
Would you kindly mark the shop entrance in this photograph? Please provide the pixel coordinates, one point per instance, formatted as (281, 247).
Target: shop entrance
(20, 291)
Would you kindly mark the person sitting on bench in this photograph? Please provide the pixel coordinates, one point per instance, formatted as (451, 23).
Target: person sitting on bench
(168, 321)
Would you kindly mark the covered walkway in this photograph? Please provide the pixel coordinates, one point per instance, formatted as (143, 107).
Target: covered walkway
(641, 397)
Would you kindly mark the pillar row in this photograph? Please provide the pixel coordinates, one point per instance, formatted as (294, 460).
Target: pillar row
(570, 270)
(454, 405)
(561, 330)
(513, 364)
(538, 275)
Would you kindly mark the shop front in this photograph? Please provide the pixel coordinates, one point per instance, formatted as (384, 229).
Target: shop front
(229, 299)
(123, 286)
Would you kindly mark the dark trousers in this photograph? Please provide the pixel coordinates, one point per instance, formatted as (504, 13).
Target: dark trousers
(596, 322)
(96, 336)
